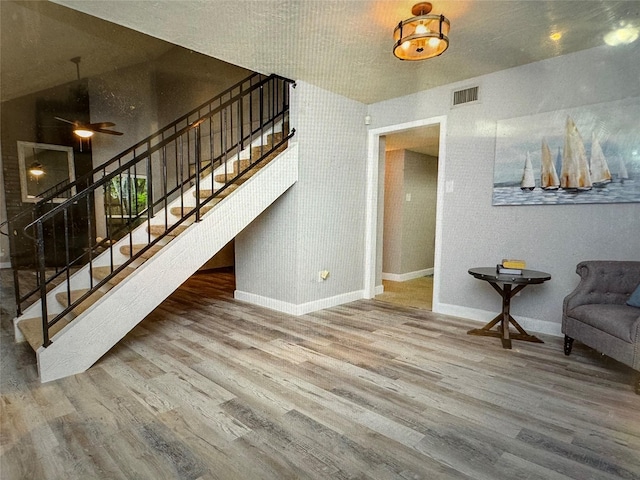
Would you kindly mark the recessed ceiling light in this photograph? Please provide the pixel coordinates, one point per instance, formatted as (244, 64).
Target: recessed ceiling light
(555, 36)
(621, 36)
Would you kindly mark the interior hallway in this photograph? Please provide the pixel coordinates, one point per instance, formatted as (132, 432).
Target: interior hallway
(416, 293)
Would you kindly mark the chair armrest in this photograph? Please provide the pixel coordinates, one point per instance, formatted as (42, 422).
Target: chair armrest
(603, 282)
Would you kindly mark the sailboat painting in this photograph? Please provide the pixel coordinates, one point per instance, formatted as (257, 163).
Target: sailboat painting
(596, 156)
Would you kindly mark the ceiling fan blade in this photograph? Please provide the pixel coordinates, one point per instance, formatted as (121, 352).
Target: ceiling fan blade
(110, 132)
(101, 124)
(65, 120)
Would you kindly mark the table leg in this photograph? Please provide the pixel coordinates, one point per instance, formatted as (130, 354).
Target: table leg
(505, 319)
(506, 305)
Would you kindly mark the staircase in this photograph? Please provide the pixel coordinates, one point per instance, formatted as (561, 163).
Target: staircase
(204, 202)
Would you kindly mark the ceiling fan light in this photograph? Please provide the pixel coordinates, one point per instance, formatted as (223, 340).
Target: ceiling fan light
(83, 132)
(36, 169)
(422, 36)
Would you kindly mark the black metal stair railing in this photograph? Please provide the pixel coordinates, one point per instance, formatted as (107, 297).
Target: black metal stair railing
(142, 181)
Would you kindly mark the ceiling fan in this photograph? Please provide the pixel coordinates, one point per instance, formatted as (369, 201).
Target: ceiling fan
(86, 130)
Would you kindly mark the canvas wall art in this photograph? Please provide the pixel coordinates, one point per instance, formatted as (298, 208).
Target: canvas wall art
(589, 154)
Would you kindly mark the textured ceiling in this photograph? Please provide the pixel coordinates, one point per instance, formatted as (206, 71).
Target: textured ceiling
(342, 46)
(38, 39)
(345, 45)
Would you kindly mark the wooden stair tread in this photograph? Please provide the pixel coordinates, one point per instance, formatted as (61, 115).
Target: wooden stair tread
(131, 251)
(75, 295)
(31, 328)
(101, 273)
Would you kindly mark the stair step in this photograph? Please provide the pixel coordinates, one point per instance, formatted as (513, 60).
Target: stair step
(101, 273)
(182, 211)
(130, 252)
(227, 191)
(274, 138)
(31, 328)
(206, 169)
(160, 229)
(75, 295)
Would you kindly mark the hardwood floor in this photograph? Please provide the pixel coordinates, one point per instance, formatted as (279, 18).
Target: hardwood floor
(210, 388)
(416, 293)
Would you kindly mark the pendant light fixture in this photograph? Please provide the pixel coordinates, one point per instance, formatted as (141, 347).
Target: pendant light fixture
(422, 36)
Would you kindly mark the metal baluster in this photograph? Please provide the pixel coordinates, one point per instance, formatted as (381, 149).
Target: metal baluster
(43, 286)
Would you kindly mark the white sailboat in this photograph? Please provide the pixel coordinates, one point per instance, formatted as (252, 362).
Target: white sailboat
(548, 176)
(622, 170)
(600, 174)
(528, 182)
(575, 171)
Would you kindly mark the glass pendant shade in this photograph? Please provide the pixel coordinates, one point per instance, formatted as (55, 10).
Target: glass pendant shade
(423, 36)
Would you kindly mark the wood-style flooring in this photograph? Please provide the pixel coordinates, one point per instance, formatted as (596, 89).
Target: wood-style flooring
(416, 293)
(207, 387)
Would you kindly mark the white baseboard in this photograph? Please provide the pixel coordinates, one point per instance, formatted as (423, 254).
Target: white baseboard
(403, 277)
(484, 316)
(379, 290)
(5, 265)
(297, 310)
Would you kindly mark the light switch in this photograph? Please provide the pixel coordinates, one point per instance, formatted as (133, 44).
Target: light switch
(408, 196)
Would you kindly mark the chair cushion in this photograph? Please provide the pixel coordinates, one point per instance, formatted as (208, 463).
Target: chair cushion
(616, 320)
(634, 299)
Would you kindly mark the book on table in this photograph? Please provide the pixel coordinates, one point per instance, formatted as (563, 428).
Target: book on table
(513, 263)
(508, 271)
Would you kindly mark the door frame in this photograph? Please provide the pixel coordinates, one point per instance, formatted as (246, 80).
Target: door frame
(372, 202)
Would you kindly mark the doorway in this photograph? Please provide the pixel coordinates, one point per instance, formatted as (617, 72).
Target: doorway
(416, 281)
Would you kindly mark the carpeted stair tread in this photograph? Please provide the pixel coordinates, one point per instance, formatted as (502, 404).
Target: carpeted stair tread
(129, 251)
(31, 328)
(240, 165)
(226, 192)
(183, 211)
(75, 295)
(100, 273)
(160, 229)
(206, 169)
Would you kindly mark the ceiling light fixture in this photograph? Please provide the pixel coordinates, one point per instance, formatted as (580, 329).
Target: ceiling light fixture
(36, 169)
(83, 132)
(422, 36)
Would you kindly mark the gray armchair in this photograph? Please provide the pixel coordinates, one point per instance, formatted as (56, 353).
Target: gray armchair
(596, 314)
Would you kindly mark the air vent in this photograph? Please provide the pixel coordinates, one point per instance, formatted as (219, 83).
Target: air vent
(465, 96)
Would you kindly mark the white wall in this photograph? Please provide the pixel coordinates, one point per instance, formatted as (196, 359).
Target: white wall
(418, 231)
(393, 212)
(319, 223)
(551, 238)
(409, 214)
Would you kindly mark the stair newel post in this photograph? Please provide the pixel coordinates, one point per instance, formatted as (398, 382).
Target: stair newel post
(42, 283)
(12, 232)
